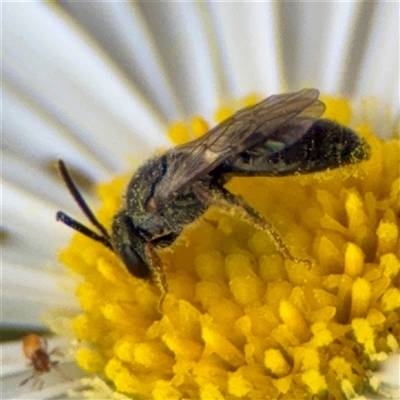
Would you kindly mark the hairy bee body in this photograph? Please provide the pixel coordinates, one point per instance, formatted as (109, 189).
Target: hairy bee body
(134, 225)
(281, 135)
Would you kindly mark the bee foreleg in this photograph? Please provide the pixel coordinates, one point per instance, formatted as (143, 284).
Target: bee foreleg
(157, 271)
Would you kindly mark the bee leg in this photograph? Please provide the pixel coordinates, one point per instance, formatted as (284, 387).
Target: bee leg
(156, 270)
(227, 201)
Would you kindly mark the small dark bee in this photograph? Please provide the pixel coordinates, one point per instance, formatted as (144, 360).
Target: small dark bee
(34, 348)
(281, 135)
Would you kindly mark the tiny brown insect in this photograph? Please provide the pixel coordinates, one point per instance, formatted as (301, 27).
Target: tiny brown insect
(34, 348)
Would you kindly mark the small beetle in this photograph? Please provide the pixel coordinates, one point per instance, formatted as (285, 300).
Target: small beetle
(34, 348)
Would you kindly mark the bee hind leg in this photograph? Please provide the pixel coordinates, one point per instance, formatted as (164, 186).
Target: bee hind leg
(225, 200)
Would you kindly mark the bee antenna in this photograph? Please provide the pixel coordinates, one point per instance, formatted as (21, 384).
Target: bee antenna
(72, 223)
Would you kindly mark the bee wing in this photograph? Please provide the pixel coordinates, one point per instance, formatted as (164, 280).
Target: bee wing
(244, 129)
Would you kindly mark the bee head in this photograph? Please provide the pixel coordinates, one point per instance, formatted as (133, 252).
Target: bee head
(128, 245)
(125, 241)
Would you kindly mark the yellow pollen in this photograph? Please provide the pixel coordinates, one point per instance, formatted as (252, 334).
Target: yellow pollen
(388, 237)
(360, 298)
(199, 126)
(353, 261)
(90, 360)
(276, 363)
(179, 133)
(315, 381)
(222, 114)
(364, 334)
(293, 319)
(239, 386)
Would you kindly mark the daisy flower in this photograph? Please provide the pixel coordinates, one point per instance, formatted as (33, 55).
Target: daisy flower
(106, 85)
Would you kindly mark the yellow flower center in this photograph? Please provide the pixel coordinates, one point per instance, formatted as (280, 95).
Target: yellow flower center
(238, 319)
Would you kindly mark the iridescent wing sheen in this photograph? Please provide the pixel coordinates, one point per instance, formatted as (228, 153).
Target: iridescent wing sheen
(246, 128)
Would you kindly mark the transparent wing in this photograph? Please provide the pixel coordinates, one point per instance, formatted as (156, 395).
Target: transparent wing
(244, 129)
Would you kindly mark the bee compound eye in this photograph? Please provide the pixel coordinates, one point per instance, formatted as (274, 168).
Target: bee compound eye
(133, 262)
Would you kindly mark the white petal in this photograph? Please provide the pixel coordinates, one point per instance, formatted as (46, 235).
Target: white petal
(75, 83)
(379, 72)
(245, 35)
(120, 29)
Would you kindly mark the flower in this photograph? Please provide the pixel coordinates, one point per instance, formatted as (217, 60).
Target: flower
(238, 319)
(68, 74)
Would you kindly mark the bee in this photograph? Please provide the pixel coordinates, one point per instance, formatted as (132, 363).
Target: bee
(34, 348)
(281, 135)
